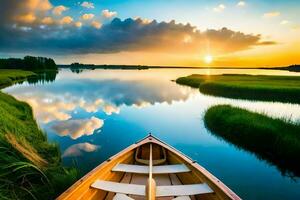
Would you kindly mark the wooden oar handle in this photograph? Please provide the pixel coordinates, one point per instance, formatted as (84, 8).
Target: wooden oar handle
(151, 189)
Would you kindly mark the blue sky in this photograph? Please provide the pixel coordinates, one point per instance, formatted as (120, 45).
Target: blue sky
(232, 32)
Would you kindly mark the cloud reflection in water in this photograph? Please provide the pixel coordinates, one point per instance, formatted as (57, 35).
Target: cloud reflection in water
(79, 149)
(57, 103)
(76, 128)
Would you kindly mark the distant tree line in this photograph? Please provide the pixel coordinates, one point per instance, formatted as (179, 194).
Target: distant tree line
(75, 66)
(29, 63)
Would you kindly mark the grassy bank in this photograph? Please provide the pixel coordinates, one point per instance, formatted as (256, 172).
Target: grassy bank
(11, 76)
(273, 140)
(266, 88)
(30, 167)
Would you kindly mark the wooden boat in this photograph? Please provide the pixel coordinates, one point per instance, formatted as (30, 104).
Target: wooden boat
(149, 169)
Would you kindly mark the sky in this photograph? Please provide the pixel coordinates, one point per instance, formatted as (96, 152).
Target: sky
(217, 33)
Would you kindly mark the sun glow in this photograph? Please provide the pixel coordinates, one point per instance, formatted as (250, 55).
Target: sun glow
(208, 59)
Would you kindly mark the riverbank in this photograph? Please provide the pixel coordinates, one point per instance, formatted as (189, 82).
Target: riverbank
(273, 140)
(11, 76)
(30, 165)
(252, 87)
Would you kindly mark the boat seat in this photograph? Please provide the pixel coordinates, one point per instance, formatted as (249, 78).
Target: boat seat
(161, 191)
(182, 198)
(120, 196)
(123, 188)
(161, 169)
(183, 190)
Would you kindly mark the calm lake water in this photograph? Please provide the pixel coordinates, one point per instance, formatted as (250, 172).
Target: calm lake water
(97, 113)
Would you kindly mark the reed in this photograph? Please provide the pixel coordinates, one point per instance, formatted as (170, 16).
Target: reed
(30, 166)
(274, 140)
(266, 88)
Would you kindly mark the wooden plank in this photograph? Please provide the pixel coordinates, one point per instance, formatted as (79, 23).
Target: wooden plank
(170, 169)
(126, 179)
(138, 169)
(162, 179)
(174, 179)
(183, 190)
(142, 169)
(182, 198)
(119, 196)
(119, 187)
(151, 185)
(81, 189)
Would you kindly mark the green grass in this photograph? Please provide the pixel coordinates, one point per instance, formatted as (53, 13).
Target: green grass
(11, 76)
(30, 166)
(252, 87)
(273, 140)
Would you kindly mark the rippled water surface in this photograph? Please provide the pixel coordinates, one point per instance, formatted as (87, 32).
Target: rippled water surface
(95, 114)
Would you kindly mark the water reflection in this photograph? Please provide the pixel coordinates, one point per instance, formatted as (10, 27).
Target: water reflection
(76, 128)
(79, 149)
(58, 104)
(95, 114)
(43, 77)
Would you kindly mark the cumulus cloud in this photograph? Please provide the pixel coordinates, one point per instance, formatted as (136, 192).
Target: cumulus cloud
(47, 109)
(96, 24)
(58, 10)
(79, 149)
(47, 20)
(87, 4)
(219, 8)
(78, 24)
(91, 106)
(76, 128)
(284, 22)
(115, 36)
(241, 4)
(108, 14)
(271, 14)
(66, 20)
(109, 109)
(87, 16)
(23, 12)
(144, 20)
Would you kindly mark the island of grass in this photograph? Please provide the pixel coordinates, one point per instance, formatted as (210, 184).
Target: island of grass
(30, 166)
(273, 140)
(252, 87)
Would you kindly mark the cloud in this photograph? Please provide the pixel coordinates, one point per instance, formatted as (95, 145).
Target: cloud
(91, 106)
(76, 128)
(130, 35)
(87, 4)
(47, 109)
(96, 24)
(78, 24)
(47, 20)
(27, 18)
(284, 22)
(108, 14)
(87, 16)
(271, 14)
(109, 109)
(79, 149)
(58, 10)
(241, 4)
(66, 20)
(219, 8)
(144, 20)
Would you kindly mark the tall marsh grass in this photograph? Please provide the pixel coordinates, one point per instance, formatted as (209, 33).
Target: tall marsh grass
(273, 140)
(266, 88)
(30, 166)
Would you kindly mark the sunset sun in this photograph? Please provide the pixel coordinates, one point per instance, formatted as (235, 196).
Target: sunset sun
(208, 59)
